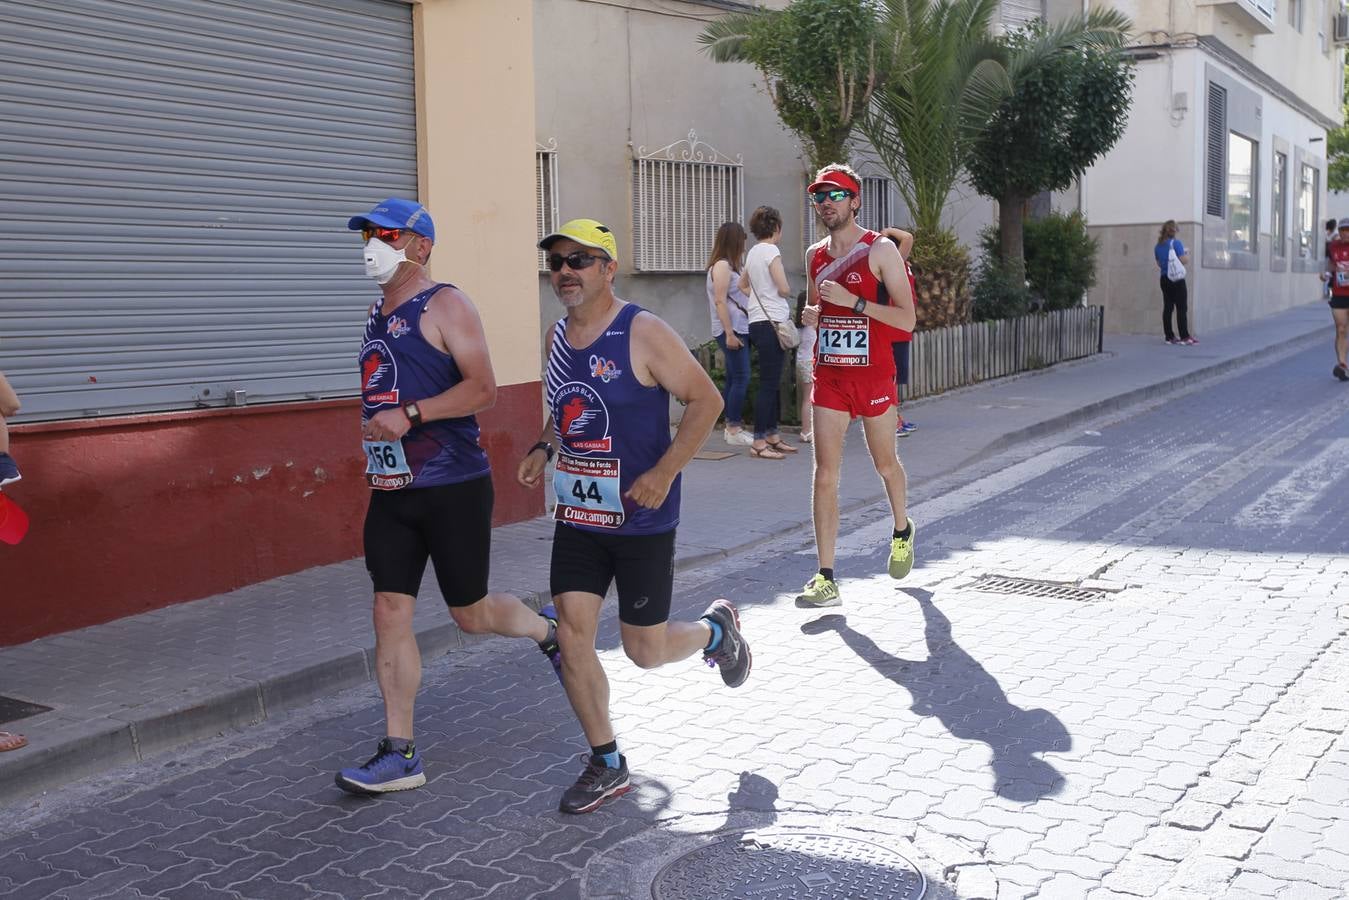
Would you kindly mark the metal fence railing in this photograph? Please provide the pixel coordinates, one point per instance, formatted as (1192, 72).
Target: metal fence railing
(945, 358)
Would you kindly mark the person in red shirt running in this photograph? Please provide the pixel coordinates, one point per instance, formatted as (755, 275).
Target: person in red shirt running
(860, 300)
(1337, 274)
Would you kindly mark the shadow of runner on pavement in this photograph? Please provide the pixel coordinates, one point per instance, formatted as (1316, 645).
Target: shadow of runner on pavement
(951, 685)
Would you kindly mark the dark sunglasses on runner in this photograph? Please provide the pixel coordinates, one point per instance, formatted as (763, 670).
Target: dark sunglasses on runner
(387, 235)
(575, 261)
(836, 196)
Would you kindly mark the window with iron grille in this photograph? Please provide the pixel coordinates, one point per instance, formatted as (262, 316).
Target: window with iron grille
(1215, 139)
(681, 194)
(545, 196)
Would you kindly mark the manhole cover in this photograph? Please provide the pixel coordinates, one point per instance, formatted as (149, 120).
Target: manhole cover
(12, 710)
(1030, 587)
(791, 865)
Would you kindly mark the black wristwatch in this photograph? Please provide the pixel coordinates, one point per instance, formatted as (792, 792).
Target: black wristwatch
(860, 306)
(413, 413)
(546, 447)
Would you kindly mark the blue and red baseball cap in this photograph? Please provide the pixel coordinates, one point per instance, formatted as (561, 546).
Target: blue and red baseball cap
(397, 213)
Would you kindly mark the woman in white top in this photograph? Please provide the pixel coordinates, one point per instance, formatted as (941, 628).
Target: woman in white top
(729, 306)
(765, 281)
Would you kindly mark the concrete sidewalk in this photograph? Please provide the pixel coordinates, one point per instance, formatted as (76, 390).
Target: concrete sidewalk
(143, 685)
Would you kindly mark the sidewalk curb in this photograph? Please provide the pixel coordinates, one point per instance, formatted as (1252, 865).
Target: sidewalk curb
(1139, 395)
(99, 745)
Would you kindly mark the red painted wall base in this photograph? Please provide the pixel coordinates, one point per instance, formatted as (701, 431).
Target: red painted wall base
(132, 514)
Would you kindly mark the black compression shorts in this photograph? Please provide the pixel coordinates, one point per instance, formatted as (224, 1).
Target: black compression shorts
(450, 523)
(642, 564)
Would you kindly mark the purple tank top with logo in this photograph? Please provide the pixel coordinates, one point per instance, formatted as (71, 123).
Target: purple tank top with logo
(610, 428)
(399, 365)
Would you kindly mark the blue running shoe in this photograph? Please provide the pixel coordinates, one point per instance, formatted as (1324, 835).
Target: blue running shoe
(906, 428)
(9, 470)
(388, 770)
(549, 645)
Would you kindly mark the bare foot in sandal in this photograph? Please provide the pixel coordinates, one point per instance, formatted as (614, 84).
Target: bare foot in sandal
(765, 452)
(11, 741)
(782, 446)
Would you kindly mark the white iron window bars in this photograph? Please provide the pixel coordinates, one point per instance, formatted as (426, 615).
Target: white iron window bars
(681, 194)
(545, 196)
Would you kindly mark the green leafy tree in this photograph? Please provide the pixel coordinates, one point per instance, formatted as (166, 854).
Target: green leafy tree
(821, 61)
(1069, 103)
(946, 77)
(1337, 144)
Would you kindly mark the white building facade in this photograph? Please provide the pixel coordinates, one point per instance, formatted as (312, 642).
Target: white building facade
(1227, 135)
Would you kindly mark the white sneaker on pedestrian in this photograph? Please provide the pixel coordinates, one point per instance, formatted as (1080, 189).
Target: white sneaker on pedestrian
(741, 438)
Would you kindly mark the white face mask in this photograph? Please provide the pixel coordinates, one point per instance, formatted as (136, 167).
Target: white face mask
(381, 260)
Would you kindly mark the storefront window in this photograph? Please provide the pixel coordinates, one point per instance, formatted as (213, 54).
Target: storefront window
(1241, 210)
(1278, 226)
(1306, 212)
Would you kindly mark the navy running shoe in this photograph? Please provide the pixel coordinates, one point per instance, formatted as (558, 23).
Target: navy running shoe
(388, 770)
(549, 645)
(9, 470)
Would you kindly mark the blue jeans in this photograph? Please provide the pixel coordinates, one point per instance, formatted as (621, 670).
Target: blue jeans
(737, 379)
(765, 340)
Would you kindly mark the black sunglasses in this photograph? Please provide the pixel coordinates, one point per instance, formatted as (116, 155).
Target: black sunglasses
(836, 196)
(575, 261)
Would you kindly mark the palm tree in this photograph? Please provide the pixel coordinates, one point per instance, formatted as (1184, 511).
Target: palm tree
(821, 61)
(948, 76)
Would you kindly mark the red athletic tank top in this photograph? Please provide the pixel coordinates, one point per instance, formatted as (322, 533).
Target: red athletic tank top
(852, 345)
(1339, 268)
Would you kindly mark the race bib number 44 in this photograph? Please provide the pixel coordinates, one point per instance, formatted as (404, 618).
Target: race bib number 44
(386, 466)
(844, 341)
(588, 491)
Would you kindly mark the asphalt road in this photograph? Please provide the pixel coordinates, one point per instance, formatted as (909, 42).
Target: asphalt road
(1173, 726)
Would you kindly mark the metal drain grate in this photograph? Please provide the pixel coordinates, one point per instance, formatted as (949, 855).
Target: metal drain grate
(1030, 587)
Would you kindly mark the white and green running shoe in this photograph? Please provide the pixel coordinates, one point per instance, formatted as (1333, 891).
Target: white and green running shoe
(901, 553)
(819, 592)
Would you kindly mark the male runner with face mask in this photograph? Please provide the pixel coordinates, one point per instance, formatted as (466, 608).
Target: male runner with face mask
(425, 372)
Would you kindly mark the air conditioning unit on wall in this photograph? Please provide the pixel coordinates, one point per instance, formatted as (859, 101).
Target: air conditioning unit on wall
(1339, 28)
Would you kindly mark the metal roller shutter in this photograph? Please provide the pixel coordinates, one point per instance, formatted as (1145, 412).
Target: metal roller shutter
(175, 180)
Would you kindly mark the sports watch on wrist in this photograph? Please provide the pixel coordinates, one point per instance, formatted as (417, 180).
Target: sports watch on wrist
(860, 306)
(546, 447)
(413, 413)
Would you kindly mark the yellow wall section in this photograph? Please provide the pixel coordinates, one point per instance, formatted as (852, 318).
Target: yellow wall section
(475, 147)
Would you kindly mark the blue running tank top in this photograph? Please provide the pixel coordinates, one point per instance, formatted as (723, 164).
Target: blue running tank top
(610, 428)
(398, 365)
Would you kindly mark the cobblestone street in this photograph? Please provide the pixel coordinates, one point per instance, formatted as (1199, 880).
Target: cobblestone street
(1172, 727)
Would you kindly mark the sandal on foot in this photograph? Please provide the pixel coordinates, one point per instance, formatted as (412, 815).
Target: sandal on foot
(12, 741)
(782, 446)
(765, 453)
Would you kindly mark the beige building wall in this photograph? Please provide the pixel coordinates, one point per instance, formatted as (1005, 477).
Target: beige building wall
(475, 114)
(626, 76)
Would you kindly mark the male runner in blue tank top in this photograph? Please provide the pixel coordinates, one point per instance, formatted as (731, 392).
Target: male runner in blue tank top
(612, 367)
(425, 371)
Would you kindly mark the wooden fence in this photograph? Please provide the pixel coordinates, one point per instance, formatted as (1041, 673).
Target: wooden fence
(946, 358)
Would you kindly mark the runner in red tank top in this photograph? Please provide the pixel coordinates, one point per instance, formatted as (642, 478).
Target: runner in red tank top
(860, 299)
(1337, 275)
